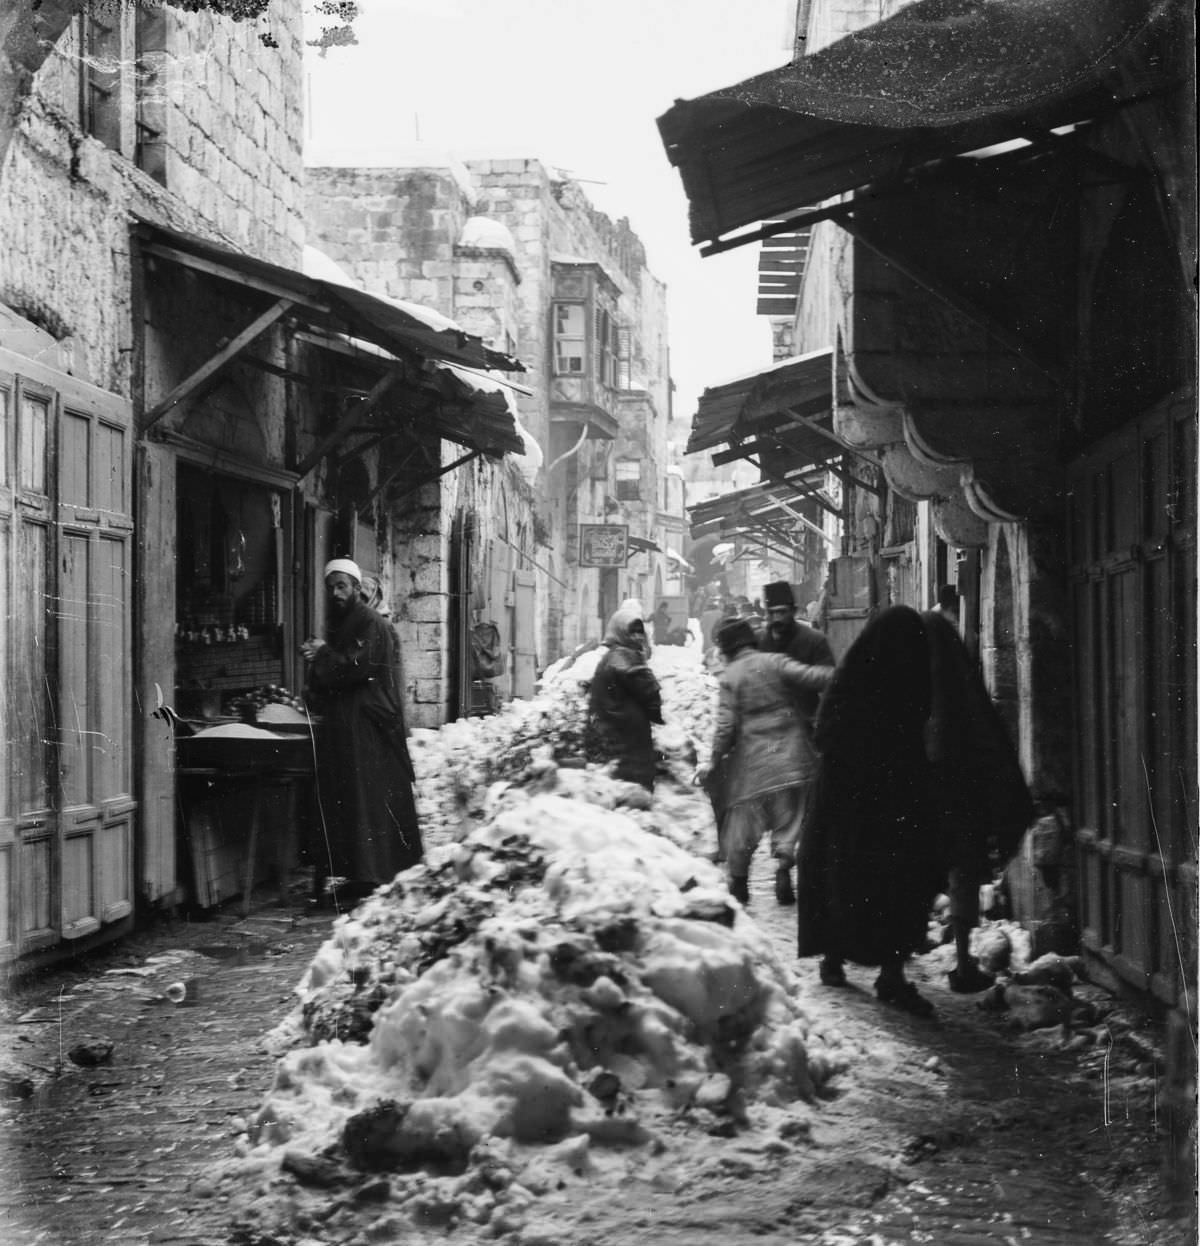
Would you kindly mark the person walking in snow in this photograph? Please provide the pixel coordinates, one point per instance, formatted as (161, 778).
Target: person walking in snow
(768, 757)
(981, 801)
(625, 699)
(364, 773)
(869, 862)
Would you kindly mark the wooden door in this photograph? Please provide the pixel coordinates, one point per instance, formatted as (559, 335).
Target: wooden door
(1132, 541)
(66, 541)
(524, 651)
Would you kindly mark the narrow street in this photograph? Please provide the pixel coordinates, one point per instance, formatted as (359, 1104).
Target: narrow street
(954, 1130)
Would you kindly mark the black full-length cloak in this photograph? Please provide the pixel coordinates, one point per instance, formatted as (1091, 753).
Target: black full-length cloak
(869, 861)
(367, 828)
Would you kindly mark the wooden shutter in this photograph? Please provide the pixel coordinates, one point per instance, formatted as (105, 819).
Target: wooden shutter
(524, 633)
(66, 545)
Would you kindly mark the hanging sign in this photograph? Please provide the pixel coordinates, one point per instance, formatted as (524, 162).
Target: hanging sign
(603, 544)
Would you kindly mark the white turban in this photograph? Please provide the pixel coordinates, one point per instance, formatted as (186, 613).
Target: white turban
(346, 566)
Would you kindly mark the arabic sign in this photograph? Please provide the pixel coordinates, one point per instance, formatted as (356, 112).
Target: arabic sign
(603, 544)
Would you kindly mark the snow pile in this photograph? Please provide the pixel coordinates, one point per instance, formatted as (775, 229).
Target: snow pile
(456, 764)
(559, 995)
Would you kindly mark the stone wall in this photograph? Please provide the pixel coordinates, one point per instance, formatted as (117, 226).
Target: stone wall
(232, 173)
(412, 233)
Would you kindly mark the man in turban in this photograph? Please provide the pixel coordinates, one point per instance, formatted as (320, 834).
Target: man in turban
(364, 774)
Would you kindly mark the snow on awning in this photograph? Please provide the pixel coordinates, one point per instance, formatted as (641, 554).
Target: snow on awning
(939, 79)
(327, 303)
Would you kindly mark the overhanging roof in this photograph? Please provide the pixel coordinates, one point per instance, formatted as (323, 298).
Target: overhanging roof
(396, 326)
(789, 403)
(774, 508)
(438, 360)
(938, 79)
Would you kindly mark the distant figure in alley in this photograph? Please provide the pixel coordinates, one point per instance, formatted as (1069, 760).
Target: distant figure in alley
(625, 699)
(368, 828)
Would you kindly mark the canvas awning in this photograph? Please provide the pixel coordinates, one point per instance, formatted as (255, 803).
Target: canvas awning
(938, 79)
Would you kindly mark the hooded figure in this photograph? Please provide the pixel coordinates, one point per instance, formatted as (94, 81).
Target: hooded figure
(981, 802)
(625, 699)
(870, 861)
(364, 772)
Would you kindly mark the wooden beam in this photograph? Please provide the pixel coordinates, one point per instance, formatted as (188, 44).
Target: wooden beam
(213, 268)
(848, 478)
(834, 212)
(347, 422)
(803, 488)
(207, 371)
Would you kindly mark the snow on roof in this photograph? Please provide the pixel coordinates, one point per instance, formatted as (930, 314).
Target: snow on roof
(321, 267)
(486, 233)
(316, 264)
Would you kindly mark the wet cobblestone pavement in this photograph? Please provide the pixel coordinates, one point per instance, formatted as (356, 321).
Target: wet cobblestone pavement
(956, 1130)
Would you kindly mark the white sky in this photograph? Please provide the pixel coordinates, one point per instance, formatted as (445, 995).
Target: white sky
(577, 84)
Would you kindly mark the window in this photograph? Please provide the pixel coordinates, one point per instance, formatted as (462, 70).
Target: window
(570, 339)
(629, 480)
(100, 81)
(607, 349)
(150, 35)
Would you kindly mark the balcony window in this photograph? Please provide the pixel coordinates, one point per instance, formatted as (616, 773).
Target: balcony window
(570, 339)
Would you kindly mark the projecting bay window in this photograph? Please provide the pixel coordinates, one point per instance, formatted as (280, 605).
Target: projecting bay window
(587, 347)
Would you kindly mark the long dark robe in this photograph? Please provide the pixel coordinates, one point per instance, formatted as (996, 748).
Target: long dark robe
(364, 771)
(981, 801)
(869, 860)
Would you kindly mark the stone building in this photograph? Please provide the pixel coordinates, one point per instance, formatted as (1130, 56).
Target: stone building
(190, 424)
(1002, 208)
(519, 255)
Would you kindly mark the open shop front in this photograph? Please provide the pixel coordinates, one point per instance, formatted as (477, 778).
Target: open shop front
(244, 745)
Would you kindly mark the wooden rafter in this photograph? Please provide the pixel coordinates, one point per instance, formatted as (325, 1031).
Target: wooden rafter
(207, 372)
(352, 416)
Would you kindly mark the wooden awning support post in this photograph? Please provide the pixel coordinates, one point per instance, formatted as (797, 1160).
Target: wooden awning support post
(221, 360)
(347, 422)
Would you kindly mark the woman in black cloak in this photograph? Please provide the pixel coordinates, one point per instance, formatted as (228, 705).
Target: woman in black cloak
(869, 862)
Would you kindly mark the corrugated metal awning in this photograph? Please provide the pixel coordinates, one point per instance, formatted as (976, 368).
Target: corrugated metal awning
(938, 79)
